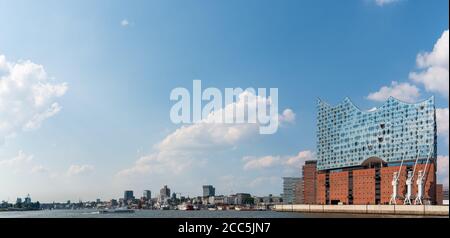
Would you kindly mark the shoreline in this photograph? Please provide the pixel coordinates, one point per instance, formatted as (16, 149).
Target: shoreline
(413, 210)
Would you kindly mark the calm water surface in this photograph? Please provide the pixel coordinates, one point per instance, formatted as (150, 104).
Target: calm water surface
(86, 213)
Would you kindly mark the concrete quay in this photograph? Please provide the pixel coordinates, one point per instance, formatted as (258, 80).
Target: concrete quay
(420, 210)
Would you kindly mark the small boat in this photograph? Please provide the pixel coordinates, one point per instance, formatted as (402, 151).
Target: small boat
(165, 207)
(186, 207)
(118, 210)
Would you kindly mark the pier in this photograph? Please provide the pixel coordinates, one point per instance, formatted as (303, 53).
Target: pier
(420, 210)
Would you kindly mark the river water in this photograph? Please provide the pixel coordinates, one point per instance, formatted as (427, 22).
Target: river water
(86, 213)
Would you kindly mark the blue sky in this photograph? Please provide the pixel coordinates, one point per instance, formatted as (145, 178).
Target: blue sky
(114, 63)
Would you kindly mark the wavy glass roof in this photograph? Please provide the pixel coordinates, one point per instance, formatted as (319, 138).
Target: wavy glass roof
(347, 135)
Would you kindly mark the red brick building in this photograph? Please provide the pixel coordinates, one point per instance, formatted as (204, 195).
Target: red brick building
(339, 187)
(364, 186)
(321, 189)
(309, 181)
(439, 194)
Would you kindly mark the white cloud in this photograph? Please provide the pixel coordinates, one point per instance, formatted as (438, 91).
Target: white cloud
(23, 163)
(287, 116)
(17, 162)
(442, 115)
(75, 170)
(270, 161)
(124, 23)
(37, 120)
(265, 181)
(261, 162)
(39, 169)
(385, 2)
(442, 169)
(299, 159)
(188, 146)
(434, 67)
(27, 96)
(402, 91)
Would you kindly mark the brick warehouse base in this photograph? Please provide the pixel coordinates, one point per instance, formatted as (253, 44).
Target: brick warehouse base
(359, 186)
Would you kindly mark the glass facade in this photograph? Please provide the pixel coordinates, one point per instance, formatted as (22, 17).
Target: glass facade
(347, 136)
(290, 186)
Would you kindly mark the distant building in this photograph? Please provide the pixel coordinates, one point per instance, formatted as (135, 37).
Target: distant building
(27, 200)
(244, 199)
(270, 199)
(147, 195)
(230, 200)
(445, 196)
(128, 196)
(290, 186)
(113, 203)
(298, 193)
(216, 200)
(309, 181)
(439, 194)
(209, 191)
(164, 193)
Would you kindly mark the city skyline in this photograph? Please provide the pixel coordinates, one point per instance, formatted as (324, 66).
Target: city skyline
(85, 86)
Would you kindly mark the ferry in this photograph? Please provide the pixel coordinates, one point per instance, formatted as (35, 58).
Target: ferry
(185, 207)
(117, 210)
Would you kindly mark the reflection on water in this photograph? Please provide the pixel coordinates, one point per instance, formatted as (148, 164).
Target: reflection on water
(87, 213)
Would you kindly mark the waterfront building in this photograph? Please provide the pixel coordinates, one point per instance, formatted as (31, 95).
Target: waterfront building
(27, 200)
(298, 192)
(128, 196)
(230, 200)
(216, 200)
(360, 152)
(290, 187)
(244, 199)
(445, 195)
(147, 195)
(309, 181)
(270, 199)
(209, 191)
(164, 193)
(439, 194)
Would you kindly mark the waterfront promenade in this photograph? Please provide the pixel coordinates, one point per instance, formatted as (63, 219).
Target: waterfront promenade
(419, 210)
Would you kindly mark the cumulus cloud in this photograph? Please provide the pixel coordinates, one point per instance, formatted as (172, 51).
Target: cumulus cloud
(402, 91)
(23, 163)
(260, 162)
(264, 181)
(299, 159)
(189, 145)
(270, 161)
(17, 162)
(75, 170)
(433, 66)
(27, 96)
(442, 169)
(442, 122)
(385, 2)
(39, 169)
(124, 23)
(288, 116)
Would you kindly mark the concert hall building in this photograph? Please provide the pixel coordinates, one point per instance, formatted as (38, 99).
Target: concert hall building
(359, 152)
